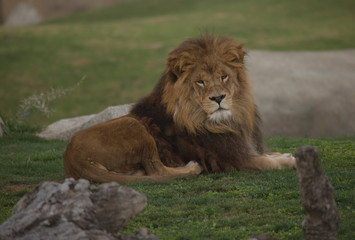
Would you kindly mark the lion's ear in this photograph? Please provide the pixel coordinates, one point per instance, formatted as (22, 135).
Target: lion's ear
(179, 63)
(234, 55)
(174, 66)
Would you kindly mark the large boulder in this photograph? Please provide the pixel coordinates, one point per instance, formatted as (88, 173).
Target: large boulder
(303, 94)
(23, 14)
(75, 210)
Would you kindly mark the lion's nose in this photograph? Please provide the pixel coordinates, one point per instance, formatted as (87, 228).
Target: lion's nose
(218, 99)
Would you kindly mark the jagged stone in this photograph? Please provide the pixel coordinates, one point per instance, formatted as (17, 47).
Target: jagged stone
(75, 210)
(321, 219)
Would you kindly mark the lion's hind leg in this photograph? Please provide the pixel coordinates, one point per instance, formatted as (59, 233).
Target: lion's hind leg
(152, 165)
(152, 169)
(120, 150)
(271, 161)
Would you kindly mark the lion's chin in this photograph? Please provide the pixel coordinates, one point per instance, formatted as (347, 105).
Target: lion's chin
(220, 115)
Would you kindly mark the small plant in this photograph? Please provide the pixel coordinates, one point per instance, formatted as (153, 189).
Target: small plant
(11, 127)
(40, 102)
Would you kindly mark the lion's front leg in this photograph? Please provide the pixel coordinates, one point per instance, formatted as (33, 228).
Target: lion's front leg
(142, 146)
(192, 168)
(154, 166)
(270, 161)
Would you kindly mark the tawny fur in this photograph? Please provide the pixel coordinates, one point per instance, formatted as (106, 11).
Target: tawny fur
(200, 116)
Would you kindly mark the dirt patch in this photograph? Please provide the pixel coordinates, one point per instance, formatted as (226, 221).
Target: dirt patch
(230, 215)
(15, 188)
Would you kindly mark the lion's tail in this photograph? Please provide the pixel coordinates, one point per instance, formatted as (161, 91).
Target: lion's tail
(98, 174)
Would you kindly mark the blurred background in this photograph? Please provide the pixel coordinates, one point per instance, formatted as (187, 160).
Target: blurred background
(77, 57)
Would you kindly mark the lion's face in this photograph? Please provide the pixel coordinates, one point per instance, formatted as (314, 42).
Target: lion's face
(213, 90)
(208, 89)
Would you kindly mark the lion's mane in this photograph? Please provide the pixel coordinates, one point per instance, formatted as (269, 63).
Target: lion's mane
(182, 130)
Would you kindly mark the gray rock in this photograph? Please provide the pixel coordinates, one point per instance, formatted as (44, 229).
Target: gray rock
(108, 114)
(307, 94)
(23, 14)
(75, 210)
(321, 220)
(65, 128)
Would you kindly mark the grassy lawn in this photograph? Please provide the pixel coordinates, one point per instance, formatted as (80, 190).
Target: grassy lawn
(235, 205)
(121, 51)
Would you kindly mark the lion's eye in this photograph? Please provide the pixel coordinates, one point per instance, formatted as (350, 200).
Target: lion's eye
(224, 78)
(200, 82)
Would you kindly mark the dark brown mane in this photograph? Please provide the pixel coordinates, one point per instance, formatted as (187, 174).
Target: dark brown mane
(193, 50)
(216, 152)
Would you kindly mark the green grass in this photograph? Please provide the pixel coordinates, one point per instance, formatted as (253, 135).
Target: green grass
(25, 161)
(122, 49)
(233, 205)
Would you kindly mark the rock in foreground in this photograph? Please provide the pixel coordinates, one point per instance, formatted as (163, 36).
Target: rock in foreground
(321, 219)
(75, 210)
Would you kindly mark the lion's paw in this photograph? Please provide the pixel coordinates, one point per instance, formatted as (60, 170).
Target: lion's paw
(195, 167)
(287, 160)
(287, 155)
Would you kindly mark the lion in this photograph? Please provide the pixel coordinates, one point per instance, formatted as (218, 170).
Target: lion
(200, 117)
